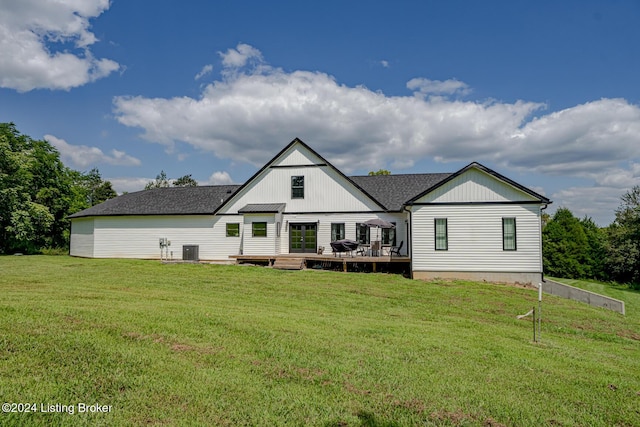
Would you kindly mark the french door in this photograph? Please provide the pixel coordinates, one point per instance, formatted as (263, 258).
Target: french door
(303, 238)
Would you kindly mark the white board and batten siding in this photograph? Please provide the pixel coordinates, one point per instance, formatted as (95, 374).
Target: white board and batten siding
(325, 189)
(475, 185)
(474, 205)
(138, 236)
(82, 238)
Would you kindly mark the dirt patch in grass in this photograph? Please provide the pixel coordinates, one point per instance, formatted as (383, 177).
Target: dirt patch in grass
(413, 405)
(456, 418)
(629, 334)
(173, 345)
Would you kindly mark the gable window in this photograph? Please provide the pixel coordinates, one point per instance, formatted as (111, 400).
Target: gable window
(337, 231)
(441, 234)
(297, 187)
(233, 229)
(362, 233)
(259, 229)
(388, 236)
(509, 234)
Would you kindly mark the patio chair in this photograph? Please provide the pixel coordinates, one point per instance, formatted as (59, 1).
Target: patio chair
(396, 249)
(376, 246)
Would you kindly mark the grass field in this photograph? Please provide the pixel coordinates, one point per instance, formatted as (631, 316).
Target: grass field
(186, 344)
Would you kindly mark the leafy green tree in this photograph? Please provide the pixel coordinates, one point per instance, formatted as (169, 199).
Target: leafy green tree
(595, 258)
(565, 246)
(89, 189)
(380, 172)
(29, 227)
(623, 240)
(97, 190)
(161, 181)
(185, 181)
(35, 193)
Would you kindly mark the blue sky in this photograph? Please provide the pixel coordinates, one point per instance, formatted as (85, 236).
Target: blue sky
(545, 92)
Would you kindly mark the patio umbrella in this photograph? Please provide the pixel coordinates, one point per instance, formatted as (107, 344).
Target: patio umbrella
(378, 223)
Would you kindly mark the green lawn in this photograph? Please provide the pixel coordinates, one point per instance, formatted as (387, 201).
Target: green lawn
(186, 344)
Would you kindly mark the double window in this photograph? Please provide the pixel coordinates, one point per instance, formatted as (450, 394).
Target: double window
(362, 234)
(337, 231)
(297, 187)
(388, 236)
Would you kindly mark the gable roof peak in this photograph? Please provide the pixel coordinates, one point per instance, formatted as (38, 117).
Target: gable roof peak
(298, 141)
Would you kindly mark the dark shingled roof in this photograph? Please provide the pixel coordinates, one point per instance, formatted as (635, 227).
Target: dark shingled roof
(390, 191)
(394, 190)
(164, 201)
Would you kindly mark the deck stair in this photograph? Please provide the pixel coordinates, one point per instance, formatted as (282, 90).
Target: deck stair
(288, 263)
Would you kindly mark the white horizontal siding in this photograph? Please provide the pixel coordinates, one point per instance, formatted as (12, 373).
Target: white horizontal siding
(259, 245)
(349, 220)
(81, 239)
(223, 246)
(475, 238)
(475, 186)
(137, 236)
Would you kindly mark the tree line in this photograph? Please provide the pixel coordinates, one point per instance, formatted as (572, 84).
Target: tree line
(578, 249)
(38, 192)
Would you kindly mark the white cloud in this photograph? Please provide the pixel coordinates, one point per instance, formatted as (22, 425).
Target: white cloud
(240, 56)
(425, 87)
(248, 116)
(598, 203)
(27, 30)
(220, 178)
(207, 69)
(385, 64)
(84, 156)
(253, 111)
(128, 184)
(585, 140)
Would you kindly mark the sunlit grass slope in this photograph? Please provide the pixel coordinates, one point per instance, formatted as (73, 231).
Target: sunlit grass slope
(186, 344)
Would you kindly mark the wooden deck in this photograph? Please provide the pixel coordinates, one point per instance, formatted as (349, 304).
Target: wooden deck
(328, 262)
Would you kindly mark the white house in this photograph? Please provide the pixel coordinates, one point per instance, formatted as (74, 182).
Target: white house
(474, 223)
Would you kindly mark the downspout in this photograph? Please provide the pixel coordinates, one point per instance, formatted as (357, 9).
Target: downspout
(541, 257)
(410, 240)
